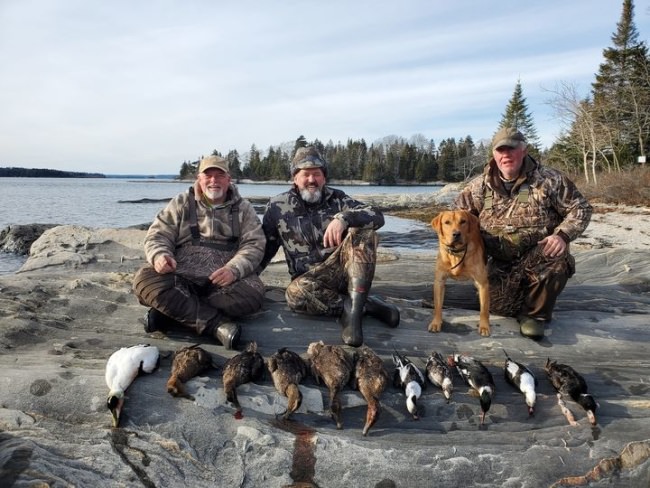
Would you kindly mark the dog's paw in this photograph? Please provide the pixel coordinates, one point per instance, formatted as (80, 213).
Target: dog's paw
(435, 326)
(484, 330)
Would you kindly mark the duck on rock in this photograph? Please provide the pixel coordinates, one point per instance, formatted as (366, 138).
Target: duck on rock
(410, 380)
(522, 379)
(567, 381)
(476, 376)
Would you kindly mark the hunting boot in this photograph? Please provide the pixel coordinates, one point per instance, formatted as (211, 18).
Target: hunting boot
(227, 333)
(386, 312)
(353, 307)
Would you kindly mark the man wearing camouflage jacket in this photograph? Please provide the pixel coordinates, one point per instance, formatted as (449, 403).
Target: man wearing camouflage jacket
(330, 245)
(202, 251)
(528, 214)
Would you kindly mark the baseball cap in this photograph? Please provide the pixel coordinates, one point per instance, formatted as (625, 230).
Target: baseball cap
(307, 157)
(214, 162)
(508, 136)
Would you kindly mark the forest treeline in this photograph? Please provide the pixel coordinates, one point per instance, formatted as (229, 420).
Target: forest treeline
(607, 130)
(45, 173)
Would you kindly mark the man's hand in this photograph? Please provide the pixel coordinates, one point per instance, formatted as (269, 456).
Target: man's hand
(164, 264)
(553, 245)
(334, 233)
(223, 277)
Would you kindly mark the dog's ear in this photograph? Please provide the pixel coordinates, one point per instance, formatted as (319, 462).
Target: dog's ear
(435, 223)
(474, 223)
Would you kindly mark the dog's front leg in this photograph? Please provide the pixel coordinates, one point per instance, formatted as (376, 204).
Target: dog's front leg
(438, 298)
(484, 315)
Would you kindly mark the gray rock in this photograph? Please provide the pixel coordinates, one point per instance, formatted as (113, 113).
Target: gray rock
(71, 306)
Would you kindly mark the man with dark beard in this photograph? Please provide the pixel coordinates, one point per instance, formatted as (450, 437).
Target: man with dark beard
(330, 245)
(202, 252)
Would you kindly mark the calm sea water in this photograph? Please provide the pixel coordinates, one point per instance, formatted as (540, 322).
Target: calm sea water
(96, 202)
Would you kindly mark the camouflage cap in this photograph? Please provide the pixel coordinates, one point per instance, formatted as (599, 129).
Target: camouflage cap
(307, 157)
(508, 136)
(214, 162)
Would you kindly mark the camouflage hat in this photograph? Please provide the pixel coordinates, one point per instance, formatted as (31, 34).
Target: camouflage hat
(306, 158)
(214, 162)
(508, 136)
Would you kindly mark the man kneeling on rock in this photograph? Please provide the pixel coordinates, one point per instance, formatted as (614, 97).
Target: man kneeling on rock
(203, 249)
(330, 245)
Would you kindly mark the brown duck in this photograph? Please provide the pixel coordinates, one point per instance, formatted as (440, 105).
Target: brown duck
(188, 362)
(243, 368)
(287, 371)
(370, 378)
(334, 367)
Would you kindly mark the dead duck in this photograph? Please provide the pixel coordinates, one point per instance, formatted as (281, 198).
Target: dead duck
(477, 377)
(122, 368)
(522, 379)
(370, 378)
(439, 373)
(567, 381)
(334, 367)
(410, 380)
(242, 368)
(188, 362)
(287, 370)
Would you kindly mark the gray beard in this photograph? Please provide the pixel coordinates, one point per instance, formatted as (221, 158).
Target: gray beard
(310, 197)
(214, 195)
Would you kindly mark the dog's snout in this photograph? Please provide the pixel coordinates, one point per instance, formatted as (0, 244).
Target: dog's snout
(456, 235)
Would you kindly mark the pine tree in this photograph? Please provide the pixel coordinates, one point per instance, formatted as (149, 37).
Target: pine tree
(621, 92)
(518, 116)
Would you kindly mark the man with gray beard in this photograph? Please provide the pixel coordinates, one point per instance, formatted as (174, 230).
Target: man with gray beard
(202, 252)
(330, 245)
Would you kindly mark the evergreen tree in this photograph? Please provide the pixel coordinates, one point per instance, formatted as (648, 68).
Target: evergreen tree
(518, 116)
(234, 164)
(621, 92)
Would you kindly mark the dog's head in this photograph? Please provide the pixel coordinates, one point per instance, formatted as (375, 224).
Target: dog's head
(454, 227)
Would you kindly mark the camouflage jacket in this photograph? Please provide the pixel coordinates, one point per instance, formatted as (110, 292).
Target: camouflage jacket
(542, 201)
(299, 227)
(170, 230)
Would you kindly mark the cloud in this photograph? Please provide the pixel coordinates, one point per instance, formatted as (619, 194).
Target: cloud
(140, 87)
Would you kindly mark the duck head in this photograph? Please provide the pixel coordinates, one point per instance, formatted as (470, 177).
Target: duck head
(587, 402)
(115, 402)
(486, 401)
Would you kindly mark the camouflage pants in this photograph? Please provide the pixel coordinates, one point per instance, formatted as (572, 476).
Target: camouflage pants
(188, 296)
(529, 285)
(321, 290)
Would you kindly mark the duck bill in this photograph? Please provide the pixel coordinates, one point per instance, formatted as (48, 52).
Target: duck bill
(592, 417)
(115, 414)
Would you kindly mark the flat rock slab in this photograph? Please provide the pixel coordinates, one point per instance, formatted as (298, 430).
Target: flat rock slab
(72, 306)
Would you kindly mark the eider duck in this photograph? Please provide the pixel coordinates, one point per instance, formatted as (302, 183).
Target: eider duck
(242, 368)
(331, 365)
(122, 368)
(188, 362)
(287, 370)
(370, 378)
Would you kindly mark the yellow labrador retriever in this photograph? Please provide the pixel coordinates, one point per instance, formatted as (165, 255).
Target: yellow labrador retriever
(462, 257)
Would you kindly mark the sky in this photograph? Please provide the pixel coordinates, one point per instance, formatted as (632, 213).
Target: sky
(138, 87)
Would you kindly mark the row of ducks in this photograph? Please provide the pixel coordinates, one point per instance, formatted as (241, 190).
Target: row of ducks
(335, 368)
(566, 381)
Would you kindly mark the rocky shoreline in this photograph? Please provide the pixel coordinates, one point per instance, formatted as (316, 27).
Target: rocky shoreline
(71, 306)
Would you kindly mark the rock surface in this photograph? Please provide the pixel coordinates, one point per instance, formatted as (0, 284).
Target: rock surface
(71, 306)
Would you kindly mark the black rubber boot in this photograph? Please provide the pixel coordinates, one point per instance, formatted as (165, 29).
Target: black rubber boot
(353, 306)
(227, 333)
(386, 312)
(531, 328)
(155, 320)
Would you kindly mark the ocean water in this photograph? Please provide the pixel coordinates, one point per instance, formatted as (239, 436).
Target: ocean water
(116, 202)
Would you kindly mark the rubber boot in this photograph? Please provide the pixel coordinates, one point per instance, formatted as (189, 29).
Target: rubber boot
(353, 306)
(227, 333)
(386, 312)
